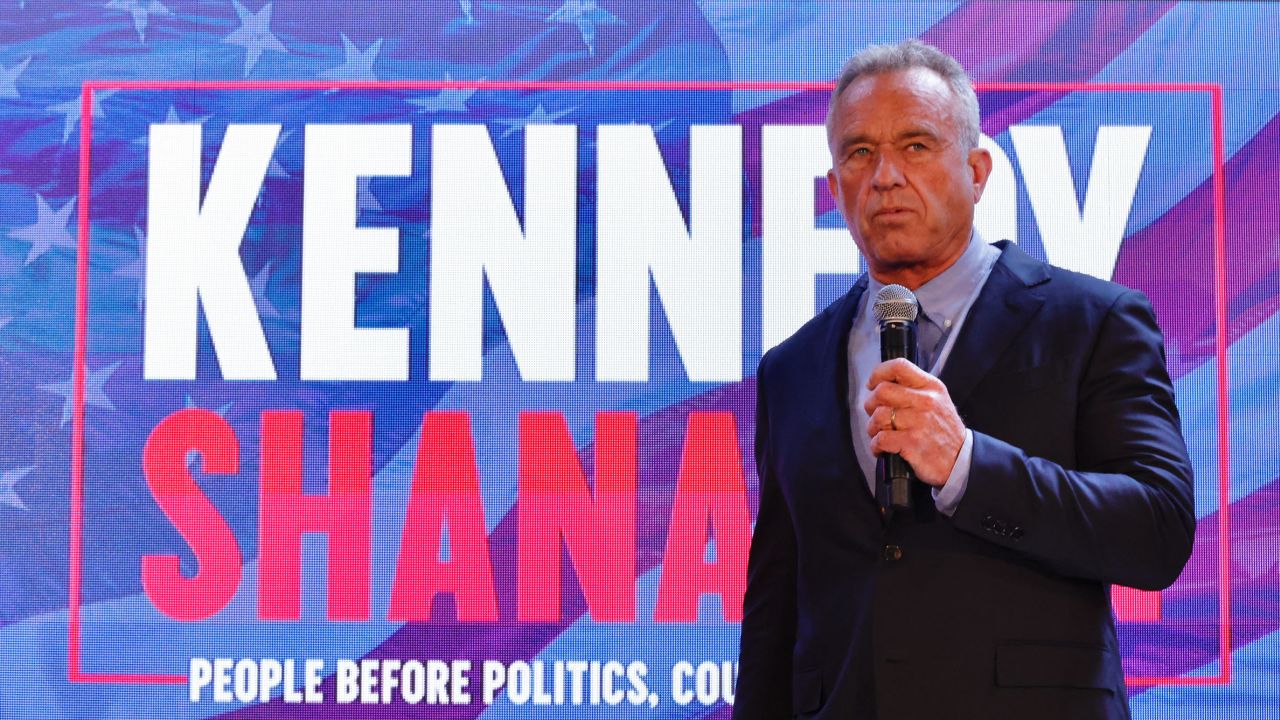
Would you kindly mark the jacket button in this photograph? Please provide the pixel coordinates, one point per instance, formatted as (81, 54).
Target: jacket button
(892, 553)
(1017, 533)
(988, 523)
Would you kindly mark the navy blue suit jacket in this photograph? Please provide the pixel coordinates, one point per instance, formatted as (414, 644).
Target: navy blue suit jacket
(1080, 479)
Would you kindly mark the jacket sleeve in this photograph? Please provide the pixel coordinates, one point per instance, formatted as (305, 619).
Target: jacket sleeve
(1125, 513)
(769, 607)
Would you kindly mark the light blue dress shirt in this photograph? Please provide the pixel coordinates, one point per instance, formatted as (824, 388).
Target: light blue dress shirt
(946, 299)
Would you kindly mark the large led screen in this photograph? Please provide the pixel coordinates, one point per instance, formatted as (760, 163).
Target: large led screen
(396, 359)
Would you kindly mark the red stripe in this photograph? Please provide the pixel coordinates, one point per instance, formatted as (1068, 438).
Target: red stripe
(77, 388)
(1224, 401)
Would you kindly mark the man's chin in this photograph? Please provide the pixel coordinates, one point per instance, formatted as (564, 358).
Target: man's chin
(897, 263)
(899, 255)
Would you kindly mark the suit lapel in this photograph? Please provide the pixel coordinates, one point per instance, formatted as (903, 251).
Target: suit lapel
(833, 416)
(1003, 308)
(1007, 302)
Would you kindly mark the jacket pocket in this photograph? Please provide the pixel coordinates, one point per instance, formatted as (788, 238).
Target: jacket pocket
(806, 691)
(1043, 664)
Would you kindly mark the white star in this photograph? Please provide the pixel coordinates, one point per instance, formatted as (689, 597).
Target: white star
(94, 394)
(465, 6)
(172, 118)
(585, 14)
(254, 35)
(141, 10)
(365, 199)
(448, 100)
(9, 79)
(539, 116)
(49, 229)
(358, 64)
(590, 142)
(137, 269)
(275, 169)
(9, 487)
(220, 412)
(71, 110)
(258, 286)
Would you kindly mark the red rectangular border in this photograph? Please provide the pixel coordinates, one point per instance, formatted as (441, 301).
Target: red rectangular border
(74, 672)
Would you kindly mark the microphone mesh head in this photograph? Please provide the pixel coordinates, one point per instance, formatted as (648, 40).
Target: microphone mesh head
(895, 303)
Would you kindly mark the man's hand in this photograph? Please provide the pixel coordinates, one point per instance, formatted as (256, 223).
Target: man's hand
(910, 413)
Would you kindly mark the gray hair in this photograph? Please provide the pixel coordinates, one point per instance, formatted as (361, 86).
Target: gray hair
(908, 54)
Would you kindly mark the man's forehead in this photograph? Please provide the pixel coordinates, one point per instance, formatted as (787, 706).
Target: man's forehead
(915, 100)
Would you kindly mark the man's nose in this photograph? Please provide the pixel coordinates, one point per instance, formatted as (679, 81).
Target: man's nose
(888, 172)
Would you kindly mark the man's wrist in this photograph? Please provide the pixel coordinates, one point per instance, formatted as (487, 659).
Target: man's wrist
(948, 496)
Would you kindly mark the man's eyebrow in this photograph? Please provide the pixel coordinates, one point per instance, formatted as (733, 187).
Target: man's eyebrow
(851, 140)
(917, 132)
(907, 134)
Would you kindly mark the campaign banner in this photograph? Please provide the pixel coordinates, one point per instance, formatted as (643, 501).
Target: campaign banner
(386, 359)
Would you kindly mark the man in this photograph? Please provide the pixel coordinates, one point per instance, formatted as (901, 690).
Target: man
(1046, 437)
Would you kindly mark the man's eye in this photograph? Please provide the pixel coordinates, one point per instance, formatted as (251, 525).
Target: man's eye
(917, 147)
(860, 152)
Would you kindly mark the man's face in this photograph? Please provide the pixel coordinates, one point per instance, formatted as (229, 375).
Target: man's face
(901, 176)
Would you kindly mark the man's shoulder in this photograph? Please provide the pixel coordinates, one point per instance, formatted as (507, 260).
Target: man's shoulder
(1063, 286)
(803, 347)
(1084, 288)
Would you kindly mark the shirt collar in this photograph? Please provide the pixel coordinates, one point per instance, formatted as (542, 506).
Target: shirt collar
(944, 297)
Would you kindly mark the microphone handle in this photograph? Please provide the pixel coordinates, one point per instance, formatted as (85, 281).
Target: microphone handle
(897, 340)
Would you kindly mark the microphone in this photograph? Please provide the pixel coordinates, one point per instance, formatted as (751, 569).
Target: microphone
(896, 309)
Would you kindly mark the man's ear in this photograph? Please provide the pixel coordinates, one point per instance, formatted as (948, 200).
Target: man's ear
(980, 165)
(831, 186)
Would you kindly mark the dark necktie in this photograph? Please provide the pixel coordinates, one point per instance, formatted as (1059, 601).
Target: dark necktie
(929, 337)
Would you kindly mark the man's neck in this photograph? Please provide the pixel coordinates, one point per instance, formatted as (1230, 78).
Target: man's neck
(913, 276)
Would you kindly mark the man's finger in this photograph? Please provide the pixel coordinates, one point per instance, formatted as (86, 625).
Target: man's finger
(888, 441)
(883, 418)
(892, 395)
(901, 372)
